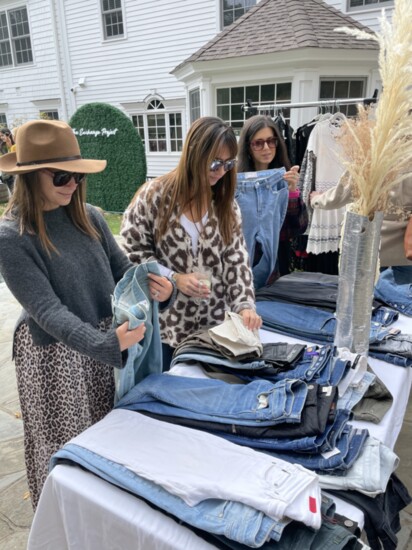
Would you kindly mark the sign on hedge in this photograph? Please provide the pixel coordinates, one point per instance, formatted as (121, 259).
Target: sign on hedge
(105, 132)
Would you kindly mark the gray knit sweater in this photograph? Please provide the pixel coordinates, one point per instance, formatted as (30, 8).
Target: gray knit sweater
(65, 295)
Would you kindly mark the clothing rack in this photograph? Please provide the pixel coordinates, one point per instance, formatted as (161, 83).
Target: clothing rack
(249, 107)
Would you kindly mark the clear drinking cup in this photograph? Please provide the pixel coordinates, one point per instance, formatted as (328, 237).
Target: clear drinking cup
(205, 284)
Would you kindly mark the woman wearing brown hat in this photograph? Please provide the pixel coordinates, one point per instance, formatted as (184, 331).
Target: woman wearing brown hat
(60, 261)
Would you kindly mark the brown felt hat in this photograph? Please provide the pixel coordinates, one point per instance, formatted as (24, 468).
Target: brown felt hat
(47, 144)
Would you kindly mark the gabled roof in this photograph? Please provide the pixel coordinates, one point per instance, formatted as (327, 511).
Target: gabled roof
(281, 25)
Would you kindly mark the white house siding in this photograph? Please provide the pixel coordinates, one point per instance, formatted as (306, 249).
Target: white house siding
(158, 36)
(369, 17)
(38, 82)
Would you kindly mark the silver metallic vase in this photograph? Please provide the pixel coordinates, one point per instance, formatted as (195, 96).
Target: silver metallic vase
(358, 262)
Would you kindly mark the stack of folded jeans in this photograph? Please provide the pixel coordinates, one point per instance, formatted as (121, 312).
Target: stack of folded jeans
(305, 288)
(317, 325)
(248, 414)
(242, 494)
(308, 323)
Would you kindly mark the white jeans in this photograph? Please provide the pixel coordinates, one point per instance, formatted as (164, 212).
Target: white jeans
(195, 466)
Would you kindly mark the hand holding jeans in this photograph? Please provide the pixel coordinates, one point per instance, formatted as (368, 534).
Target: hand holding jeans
(160, 287)
(128, 338)
(292, 177)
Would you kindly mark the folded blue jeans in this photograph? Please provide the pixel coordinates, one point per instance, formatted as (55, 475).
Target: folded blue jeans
(308, 323)
(355, 392)
(394, 287)
(263, 200)
(309, 444)
(349, 445)
(234, 520)
(131, 302)
(259, 402)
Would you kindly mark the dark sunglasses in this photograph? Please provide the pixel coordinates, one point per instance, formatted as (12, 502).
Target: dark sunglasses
(226, 164)
(61, 178)
(259, 144)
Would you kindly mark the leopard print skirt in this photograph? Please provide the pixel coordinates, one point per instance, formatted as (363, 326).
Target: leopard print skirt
(61, 392)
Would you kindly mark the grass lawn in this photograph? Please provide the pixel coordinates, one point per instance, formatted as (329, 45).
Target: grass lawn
(113, 220)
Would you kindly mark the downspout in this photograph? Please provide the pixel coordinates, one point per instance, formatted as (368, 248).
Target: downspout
(59, 70)
(64, 65)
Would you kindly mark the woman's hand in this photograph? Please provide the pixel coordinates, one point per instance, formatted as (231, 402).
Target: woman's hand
(128, 337)
(292, 177)
(160, 287)
(251, 319)
(191, 285)
(313, 195)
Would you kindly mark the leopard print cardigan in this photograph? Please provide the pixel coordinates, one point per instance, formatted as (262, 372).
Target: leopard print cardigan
(231, 276)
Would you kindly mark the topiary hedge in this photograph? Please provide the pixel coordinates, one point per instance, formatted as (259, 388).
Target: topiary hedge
(105, 132)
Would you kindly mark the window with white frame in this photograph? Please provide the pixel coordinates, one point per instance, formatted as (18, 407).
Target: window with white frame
(3, 120)
(194, 104)
(160, 131)
(112, 19)
(229, 101)
(15, 43)
(352, 4)
(233, 9)
(139, 125)
(342, 88)
(52, 114)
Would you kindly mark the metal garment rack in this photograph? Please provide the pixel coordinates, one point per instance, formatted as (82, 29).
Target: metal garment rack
(249, 107)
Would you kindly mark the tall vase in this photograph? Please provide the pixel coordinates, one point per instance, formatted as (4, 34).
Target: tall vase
(357, 270)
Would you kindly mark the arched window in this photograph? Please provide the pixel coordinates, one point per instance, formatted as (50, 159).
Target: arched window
(160, 130)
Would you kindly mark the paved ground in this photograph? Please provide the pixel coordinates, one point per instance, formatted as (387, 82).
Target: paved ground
(15, 508)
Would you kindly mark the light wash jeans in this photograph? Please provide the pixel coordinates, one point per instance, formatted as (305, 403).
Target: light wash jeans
(370, 472)
(259, 402)
(394, 287)
(263, 200)
(232, 519)
(355, 392)
(131, 302)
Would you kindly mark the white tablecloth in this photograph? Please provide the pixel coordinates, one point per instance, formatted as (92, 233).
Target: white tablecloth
(79, 511)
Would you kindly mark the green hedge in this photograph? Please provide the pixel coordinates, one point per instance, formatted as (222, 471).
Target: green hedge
(105, 132)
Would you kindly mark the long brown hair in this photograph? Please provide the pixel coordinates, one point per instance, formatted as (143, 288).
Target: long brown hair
(26, 206)
(254, 124)
(188, 184)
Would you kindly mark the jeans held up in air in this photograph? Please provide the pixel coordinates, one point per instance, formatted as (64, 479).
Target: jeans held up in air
(263, 200)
